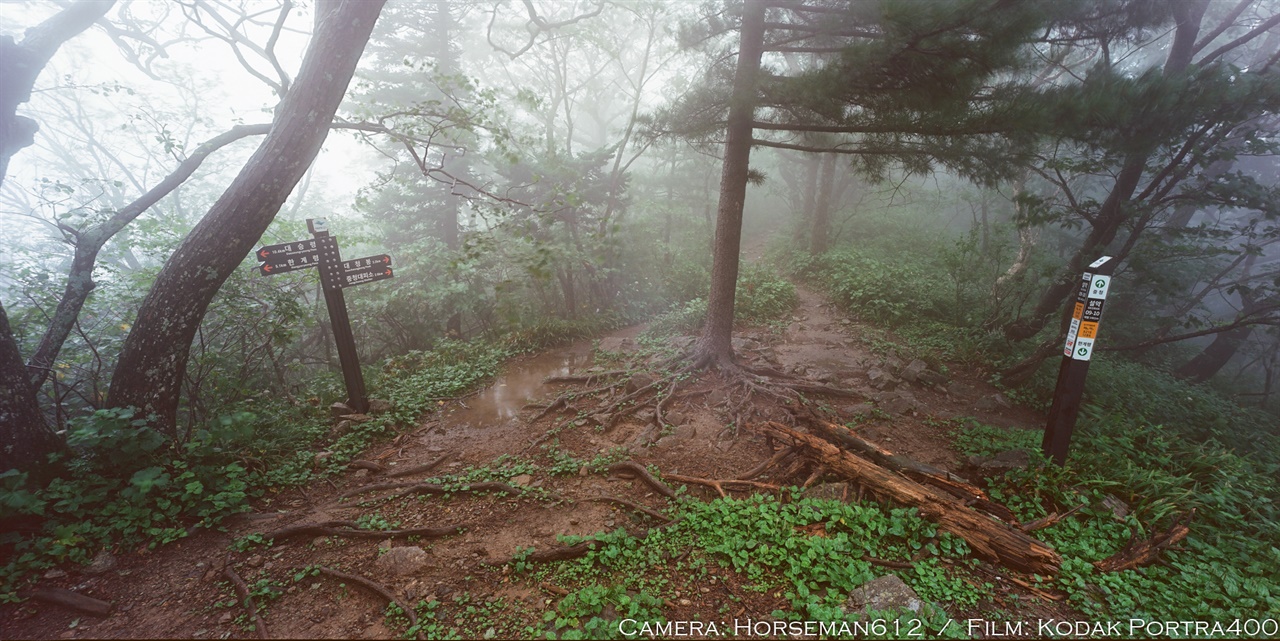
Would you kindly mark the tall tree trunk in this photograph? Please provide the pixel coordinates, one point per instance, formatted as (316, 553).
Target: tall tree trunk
(448, 63)
(24, 437)
(812, 164)
(715, 346)
(153, 360)
(821, 230)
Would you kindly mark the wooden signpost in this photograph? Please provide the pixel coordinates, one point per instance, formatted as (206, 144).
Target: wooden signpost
(335, 274)
(1077, 352)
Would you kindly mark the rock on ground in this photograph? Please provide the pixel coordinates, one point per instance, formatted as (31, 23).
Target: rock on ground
(885, 593)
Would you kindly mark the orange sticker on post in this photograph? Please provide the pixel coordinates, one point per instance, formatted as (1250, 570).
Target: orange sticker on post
(1079, 311)
(1088, 330)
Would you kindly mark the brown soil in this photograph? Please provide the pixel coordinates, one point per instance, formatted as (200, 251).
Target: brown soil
(176, 591)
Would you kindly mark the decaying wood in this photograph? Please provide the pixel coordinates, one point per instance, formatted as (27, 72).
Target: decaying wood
(761, 468)
(658, 516)
(1049, 521)
(351, 530)
(246, 599)
(1147, 551)
(946, 481)
(990, 539)
(636, 469)
(378, 589)
(75, 601)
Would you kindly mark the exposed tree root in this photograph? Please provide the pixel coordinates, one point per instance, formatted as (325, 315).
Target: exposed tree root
(636, 469)
(419, 469)
(376, 487)
(885, 563)
(351, 530)
(1145, 552)
(719, 484)
(586, 378)
(436, 488)
(373, 468)
(378, 589)
(246, 599)
(553, 407)
(1049, 521)
(658, 516)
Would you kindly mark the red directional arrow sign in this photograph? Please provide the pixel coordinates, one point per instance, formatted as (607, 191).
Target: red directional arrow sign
(289, 253)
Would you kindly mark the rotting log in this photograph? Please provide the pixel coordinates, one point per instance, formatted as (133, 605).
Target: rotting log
(1145, 552)
(946, 481)
(989, 538)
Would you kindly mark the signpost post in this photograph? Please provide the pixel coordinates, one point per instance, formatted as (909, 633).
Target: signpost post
(1081, 335)
(335, 274)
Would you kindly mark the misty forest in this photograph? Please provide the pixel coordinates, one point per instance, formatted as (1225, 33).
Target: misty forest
(639, 318)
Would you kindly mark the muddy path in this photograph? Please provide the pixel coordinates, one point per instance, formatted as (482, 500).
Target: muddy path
(183, 591)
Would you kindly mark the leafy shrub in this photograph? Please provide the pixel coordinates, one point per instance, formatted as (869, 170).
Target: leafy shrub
(881, 290)
(132, 485)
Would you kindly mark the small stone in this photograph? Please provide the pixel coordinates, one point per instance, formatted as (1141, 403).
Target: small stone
(956, 388)
(861, 409)
(523, 479)
(638, 382)
(885, 593)
(319, 541)
(225, 618)
(378, 406)
(321, 457)
(209, 576)
(340, 409)
(913, 371)
(686, 602)
(674, 418)
(103, 561)
(881, 379)
(993, 402)
(893, 364)
(254, 561)
(705, 590)
(54, 573)
(930, 377)
(402, 561)
(341, 429)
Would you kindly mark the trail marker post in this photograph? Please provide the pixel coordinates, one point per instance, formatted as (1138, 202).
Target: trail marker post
(335, 274)
(1077, 352)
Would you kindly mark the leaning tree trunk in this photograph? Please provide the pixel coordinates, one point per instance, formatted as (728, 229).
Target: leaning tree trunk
(153, 360)
(24, 437)
(715, 346)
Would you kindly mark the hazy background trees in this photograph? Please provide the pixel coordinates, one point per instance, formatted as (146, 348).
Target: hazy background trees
(537, 167)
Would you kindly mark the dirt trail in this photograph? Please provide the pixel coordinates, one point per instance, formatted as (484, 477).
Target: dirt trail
(173, 592)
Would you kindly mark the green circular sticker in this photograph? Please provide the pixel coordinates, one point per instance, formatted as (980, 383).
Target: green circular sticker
(1082, 351)
(1100, 283)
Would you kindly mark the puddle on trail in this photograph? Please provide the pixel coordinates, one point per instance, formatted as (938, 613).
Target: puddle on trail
(520, 383)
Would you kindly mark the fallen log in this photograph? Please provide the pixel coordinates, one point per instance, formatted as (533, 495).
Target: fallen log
(989, 538)
(946, 481)
(1139, 553)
